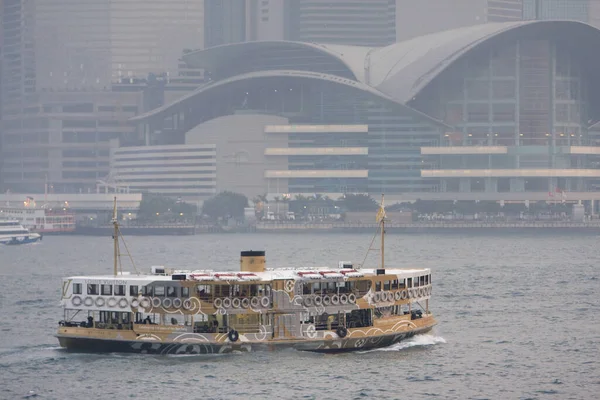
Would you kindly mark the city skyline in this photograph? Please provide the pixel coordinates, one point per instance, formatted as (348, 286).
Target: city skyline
(74, 72)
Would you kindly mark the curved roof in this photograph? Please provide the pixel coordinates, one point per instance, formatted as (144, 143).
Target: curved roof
(204, 90)
(404, 69)
(351, 56)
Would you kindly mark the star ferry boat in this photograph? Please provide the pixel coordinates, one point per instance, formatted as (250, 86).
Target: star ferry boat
(171, 311)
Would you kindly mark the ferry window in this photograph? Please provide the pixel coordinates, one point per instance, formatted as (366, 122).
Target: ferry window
(394, 284)
(203, 290)
(171, 291)
(133, 290)
(377, 286)
(402, 284)
(119, 290)
(125, 317)
(159, 291)
(363, 286)
(77, 288)
(147, 290)
(386, 285)
(185, 292)
(409, 284)
(106, 290)
(421, 280)
(92, 289)
(306, 288)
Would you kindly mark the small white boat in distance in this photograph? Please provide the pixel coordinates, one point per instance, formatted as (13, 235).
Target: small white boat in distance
(12, 232)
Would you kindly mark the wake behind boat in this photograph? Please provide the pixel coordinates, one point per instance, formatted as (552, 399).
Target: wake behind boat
(13, 233)
(202, 311)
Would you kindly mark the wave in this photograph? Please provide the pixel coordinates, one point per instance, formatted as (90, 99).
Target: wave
(415, 341)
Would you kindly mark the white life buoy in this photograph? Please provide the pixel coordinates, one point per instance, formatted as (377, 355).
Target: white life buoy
(145, 302)
(326, 300)
(335, 299)
(218, 303)
(177, 302)
(318, 301)
(167, 302)
(245, 302)
(156, 302)
(403, 294)
(255, 302)
(397, 296)
(123, 303)
(88, 302)
(236, 303)
(390, 296)
(112, 302)
(351, 298)
(308, 301)
(100, 302)
(187, 304)
(265, 302)
(226, 302)
(377, 297)
(76, 301)
(343, 299)
(134, 302)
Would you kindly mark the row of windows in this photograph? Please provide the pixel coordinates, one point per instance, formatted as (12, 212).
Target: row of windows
(134, 290)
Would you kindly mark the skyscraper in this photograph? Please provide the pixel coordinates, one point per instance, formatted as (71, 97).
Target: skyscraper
(18, 62)
(224, 22)
(504, 10)
(351, 22)
(91, 43)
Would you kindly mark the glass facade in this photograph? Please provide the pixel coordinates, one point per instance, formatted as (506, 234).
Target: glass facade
(577, 10)
(527, 95)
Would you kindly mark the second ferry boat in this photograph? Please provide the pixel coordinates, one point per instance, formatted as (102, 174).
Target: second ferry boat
(170, 311)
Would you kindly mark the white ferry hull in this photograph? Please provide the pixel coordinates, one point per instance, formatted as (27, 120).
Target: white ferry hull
(20, 239)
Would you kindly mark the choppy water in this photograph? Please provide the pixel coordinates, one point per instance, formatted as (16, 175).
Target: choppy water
(519, 318)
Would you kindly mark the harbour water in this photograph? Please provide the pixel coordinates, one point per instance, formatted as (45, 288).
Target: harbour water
(519, 318)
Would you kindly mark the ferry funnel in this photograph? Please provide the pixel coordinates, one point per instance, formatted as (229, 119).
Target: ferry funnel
(252, 261)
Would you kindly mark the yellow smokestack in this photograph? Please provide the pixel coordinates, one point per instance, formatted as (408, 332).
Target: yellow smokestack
(252, 261)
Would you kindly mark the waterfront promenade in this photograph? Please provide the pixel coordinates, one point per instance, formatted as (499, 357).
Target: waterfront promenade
(591, 226)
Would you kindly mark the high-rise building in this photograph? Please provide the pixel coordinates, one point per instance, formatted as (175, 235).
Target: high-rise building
(91, 43)
(18, 62)
(73, 44)
(224, 22)
(504, 10)
(350, 22)
(578, 10)
(353, 22)
(149, 35)
(92, 58)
